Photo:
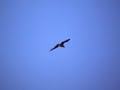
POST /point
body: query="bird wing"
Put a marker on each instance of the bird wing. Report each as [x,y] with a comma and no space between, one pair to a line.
[55,47]
[65,41]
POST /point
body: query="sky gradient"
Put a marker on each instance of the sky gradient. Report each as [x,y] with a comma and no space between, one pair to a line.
[30,28]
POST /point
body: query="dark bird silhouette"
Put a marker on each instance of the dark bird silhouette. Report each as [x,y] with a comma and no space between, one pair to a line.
[60,44]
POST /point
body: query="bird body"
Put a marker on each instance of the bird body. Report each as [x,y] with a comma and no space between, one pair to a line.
[60,44]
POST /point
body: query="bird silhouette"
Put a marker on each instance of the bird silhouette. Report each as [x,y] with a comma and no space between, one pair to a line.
[60,45]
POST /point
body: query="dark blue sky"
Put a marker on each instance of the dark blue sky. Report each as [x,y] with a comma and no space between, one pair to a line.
[30,28]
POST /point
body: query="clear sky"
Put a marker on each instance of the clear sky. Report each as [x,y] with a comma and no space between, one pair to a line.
[30,28]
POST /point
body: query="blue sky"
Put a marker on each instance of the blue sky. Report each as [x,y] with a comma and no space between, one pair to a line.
[30,28]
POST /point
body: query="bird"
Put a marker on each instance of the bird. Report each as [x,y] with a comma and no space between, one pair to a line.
[60,45]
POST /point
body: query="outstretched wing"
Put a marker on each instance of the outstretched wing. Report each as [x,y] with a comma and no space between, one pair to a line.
[65,41]
[55,47]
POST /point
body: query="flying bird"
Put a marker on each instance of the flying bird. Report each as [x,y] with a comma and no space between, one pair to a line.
[60,44]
